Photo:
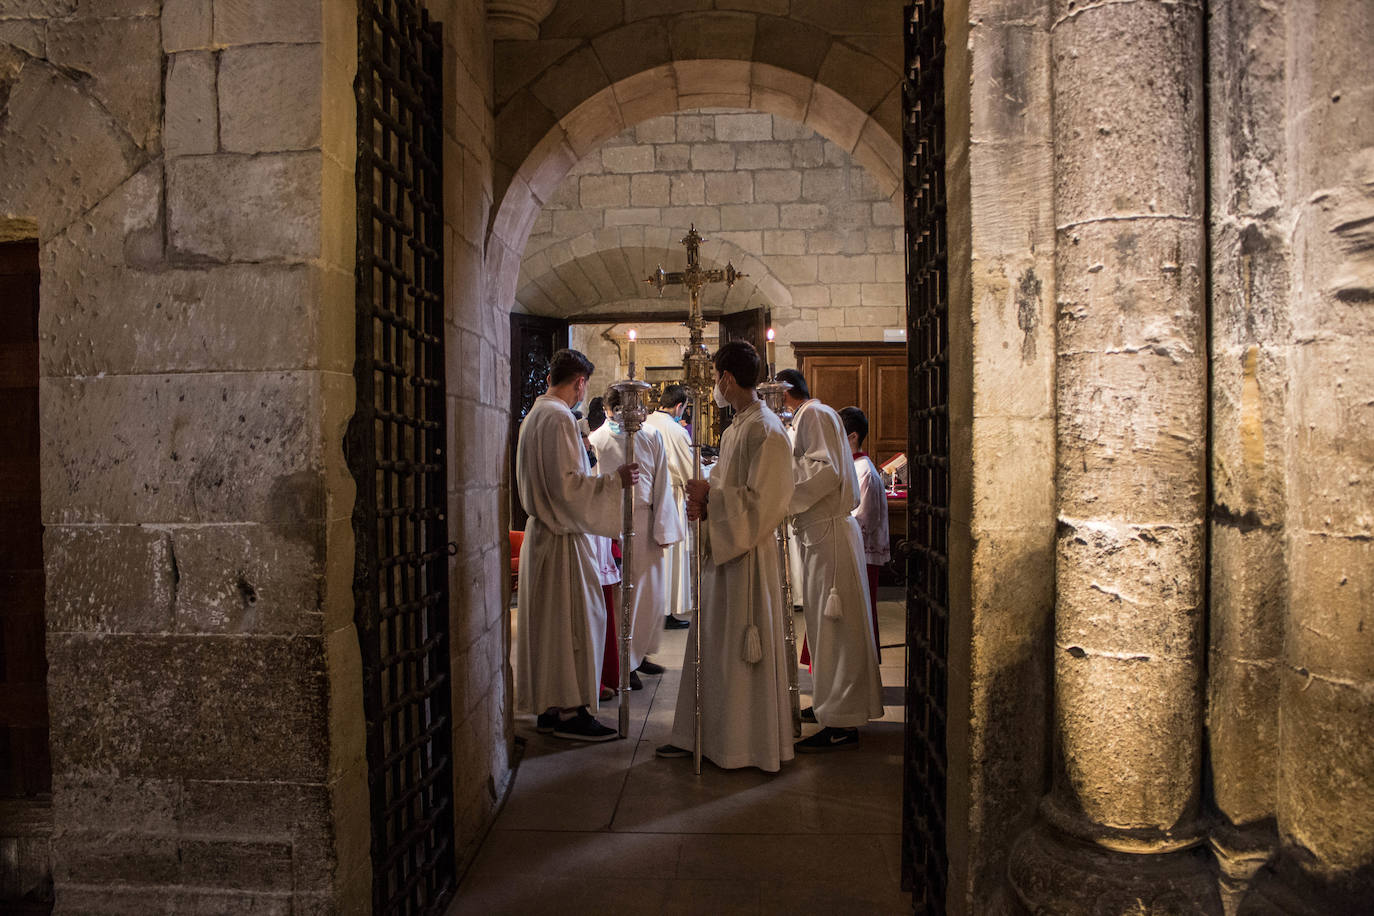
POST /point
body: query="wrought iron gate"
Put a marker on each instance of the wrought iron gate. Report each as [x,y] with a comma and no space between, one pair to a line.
[396,451]
[925,860]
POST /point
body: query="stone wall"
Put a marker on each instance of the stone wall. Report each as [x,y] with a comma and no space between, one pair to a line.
[195,358]
[478,344]
[1002,358]
[818,233]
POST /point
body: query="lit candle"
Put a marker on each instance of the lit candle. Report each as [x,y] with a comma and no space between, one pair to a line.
[632,353]
[772,354]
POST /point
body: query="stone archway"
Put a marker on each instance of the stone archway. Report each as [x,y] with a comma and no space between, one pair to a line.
[601,269]
[663,89]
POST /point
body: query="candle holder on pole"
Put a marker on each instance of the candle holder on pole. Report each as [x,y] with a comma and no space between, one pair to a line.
[774,394]
[631,412]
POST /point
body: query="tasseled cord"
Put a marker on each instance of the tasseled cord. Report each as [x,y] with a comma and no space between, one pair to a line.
[753,646]
[832,601]
[832,604]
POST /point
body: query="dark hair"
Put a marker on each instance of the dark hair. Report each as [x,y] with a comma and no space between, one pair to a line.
[596,414]
[567,365]
[798,383]
[855,422]
[740,359]
[673,395]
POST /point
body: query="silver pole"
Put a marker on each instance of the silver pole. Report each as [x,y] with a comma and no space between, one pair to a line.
[774,395]
[632,414]
[698,435]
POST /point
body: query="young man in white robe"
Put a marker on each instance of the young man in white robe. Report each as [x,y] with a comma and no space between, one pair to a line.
[871,513]
[657,527]
[677,444]
[746,713]
[847,687]
[561,612]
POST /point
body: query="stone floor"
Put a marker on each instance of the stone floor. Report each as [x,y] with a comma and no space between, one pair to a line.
[611,828]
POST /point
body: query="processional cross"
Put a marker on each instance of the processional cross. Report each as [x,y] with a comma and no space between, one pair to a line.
[696,364]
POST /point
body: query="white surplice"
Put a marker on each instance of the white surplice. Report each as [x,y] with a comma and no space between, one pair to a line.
[657,526]
[871,512]
[839,629]
[746,714]
[677,445]
[561,615]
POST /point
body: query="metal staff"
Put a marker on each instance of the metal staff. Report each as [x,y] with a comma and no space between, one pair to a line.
[774,395]
[698,549]
[631,411]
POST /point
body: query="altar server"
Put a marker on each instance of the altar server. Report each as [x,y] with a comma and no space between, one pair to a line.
[561,613]
[847,689]
[746,714]
[871,512]
[677,445]
[657,526]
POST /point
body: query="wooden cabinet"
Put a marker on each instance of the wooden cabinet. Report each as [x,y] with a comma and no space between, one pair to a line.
[868,375]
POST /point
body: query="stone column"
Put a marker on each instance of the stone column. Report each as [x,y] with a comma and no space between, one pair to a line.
[1131,443]
[1326,719]
[1251,263]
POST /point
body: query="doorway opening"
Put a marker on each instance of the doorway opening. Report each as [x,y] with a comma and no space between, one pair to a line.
[25,764]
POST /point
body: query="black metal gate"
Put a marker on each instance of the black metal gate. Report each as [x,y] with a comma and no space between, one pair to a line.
[396,451]
[925,859]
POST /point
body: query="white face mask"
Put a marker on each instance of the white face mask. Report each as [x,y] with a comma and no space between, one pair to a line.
[719,396]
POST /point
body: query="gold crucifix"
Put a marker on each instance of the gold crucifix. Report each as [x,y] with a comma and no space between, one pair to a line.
[696,363]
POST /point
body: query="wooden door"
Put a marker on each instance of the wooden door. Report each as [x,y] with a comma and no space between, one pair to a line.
[839,380]
[25,770]
[533,341]
[887,400]
[871,376]
[750,325]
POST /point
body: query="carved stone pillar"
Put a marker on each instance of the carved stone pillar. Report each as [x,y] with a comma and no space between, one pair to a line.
[1251,266]
[1120,831]
[1326,710]
[517,19]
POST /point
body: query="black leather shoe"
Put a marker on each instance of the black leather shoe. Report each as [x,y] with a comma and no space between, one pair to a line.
[635,682]
[648,667]
[672,623]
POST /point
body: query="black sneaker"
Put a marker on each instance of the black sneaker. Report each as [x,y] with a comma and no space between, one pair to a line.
[635,682]
[544,723]
[669,751]
[828,739]
[583,727]
[808,714]
[674,623]
[648,667]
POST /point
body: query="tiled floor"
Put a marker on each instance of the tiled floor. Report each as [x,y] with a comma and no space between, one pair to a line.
[610,828]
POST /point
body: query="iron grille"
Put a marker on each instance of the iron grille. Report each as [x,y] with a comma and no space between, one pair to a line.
[925,860]
[396,452]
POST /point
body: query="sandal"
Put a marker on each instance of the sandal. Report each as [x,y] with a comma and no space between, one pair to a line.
[607,693]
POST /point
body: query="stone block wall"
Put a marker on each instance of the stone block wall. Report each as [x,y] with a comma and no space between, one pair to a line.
[196,236]
[818,233]
[478,345]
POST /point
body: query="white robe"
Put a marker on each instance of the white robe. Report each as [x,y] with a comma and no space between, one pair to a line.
[746,714]
[561,613]
[657,525]
[872,512]
[677,445]
[844,655]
